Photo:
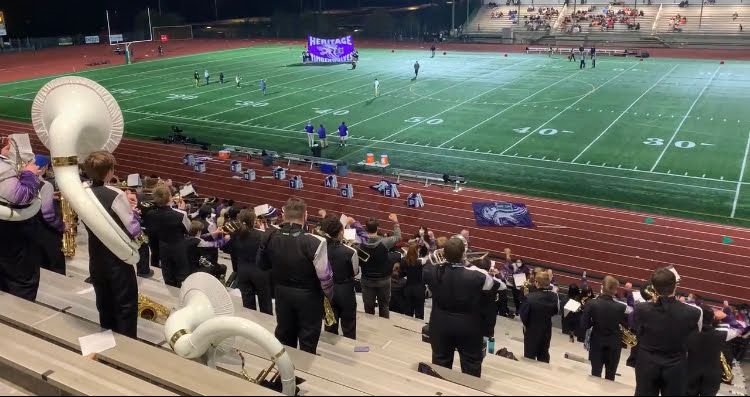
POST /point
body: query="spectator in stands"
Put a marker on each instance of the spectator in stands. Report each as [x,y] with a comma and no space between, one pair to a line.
[376,283]
[302,277]
[169,226]
[114,280]
[605,316]
[398,303]
[703,348]
[536,315]
[345,265]
[252,281]
[414,291]
[661,366]
[455,322]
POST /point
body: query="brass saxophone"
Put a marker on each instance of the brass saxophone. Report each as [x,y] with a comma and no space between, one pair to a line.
[726,370]
[330,318]
[149,310]
[70,219]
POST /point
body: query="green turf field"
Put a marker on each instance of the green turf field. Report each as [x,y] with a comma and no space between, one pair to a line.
[666,136]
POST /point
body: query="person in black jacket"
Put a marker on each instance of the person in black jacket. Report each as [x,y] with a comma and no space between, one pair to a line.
[345,265]
[302,277]
[113,279]
[456,318]
[704,355]
[605,316]
[662,328]
[536,314]
[376,272]
[169,227]
[414,291]
[252,281]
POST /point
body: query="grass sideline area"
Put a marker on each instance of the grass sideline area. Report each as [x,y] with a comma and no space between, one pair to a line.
[664,136]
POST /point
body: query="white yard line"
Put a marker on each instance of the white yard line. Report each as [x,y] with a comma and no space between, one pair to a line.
[687,114]
[568,108]
[742,176]
[460,103]
[299,135]
[428,96]
[498,114]
[624,112]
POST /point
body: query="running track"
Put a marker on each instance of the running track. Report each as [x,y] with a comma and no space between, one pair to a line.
[571,237]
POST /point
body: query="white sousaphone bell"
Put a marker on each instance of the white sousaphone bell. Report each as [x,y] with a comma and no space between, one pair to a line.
[73,117]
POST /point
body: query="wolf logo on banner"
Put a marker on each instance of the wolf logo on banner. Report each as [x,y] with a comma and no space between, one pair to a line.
[338,50]
[502,214]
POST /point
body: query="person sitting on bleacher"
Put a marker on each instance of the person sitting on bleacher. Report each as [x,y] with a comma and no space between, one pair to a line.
[114,280]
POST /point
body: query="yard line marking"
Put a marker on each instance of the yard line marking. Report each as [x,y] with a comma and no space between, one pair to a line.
[428,96]
[676,131]
[505,110]
[623,114]
[742,176]
[568,107]
[456,106]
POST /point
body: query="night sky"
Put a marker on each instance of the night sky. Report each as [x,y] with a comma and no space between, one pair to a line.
[37,18]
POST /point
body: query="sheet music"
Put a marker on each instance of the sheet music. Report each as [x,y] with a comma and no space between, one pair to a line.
[637,297]
[350,234]
[97,343]
[261,210]
[134,180]
[571,307]
[519,279]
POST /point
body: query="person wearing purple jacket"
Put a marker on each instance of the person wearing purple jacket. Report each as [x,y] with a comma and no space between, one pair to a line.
[19,269]
[510,269]
[343,134]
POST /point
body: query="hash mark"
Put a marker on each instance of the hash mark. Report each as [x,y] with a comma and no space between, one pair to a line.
[635,168]
[704,175]
[721,178]
[669,171]
[619,166]
[686,174]
[588,162]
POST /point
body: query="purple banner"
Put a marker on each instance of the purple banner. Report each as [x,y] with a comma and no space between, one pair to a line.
[502,215]
[330,50]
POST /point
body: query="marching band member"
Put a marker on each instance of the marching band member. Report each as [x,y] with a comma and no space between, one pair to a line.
[302,276]
[662,328]
[169,226]
[414,290]
[114,280]
[19,270]
[456,319]
[704,348]
[142,268]
[605,316]
[50,237]
[252,281]
[536,314]
[345,265]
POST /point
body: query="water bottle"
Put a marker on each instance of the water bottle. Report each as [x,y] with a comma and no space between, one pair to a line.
[491,346]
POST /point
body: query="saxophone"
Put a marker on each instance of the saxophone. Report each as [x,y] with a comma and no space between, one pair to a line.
[726,370]
[330,319]
[70,219]
[149,310]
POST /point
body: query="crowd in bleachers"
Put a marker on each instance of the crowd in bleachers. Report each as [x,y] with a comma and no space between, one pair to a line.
[603,21]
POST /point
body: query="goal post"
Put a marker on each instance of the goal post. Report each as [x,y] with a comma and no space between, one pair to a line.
[178,32]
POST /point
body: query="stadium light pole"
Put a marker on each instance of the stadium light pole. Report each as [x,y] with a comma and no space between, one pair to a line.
[453,15]
[216,11]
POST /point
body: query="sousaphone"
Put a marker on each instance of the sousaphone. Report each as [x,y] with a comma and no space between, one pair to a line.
[73,117]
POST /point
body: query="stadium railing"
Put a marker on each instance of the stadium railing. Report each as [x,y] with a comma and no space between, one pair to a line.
[312,160]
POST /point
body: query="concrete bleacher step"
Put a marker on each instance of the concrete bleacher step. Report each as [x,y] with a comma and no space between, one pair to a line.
[67,371]
[147,362]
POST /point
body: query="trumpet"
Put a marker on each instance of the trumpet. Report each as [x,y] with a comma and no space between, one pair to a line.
[629,339]
[330,318]
[149,310]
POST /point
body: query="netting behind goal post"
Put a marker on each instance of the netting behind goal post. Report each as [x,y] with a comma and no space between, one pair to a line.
[169,33]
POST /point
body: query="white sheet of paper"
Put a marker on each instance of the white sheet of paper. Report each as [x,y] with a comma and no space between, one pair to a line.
[572,306]
[344,219]
[134,180]
[261,210]
[187,190]
[519,279]
[85,291]
[350,234]
[637,297]
[673,270]
[97,343]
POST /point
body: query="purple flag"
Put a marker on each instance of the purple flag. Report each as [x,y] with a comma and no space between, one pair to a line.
[330,50]
[502,215]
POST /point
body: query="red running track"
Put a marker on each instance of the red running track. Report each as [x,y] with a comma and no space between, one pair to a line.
[569,236]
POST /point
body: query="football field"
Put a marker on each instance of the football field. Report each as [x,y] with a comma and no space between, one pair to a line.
[667,136]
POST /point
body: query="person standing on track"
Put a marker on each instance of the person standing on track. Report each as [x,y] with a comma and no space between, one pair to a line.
[433,49]
[377,88]
[161,51]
